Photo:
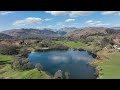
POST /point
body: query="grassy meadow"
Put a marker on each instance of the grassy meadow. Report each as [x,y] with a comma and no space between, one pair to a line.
[7,72]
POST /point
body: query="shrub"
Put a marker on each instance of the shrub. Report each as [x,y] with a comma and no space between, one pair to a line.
[21,64]
[106,41]
[38,66]
[109,46]
[8,49]
[23,52]
[58,75]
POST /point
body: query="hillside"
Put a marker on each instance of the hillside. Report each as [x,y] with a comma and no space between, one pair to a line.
[4,36]
[91,31]
[30,33]
[69,32]
[68,29]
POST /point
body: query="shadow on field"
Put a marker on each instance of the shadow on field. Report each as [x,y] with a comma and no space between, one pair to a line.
[4,62]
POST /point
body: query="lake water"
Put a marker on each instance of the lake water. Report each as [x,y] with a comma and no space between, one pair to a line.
[73,63]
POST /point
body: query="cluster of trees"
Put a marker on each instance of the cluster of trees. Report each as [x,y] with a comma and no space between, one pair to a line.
[23,52]
[21,64]
[39,67]
[86,40]
[8,49]
[106,42]
[51,45]
[24,64]
[58,46]
[43,44]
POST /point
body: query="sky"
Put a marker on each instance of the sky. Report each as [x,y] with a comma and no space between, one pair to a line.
[58,19]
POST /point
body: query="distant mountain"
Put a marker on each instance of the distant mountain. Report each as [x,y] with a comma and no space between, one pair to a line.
[89,31]
[67,29]
[116,27]
[28,33]
[69,32]
[61,33]
[4,36]
[46,32]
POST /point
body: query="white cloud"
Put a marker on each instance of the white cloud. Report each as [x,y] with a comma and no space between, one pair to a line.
[69,20]
[70,13]
[58,13]
[79,13]
[30,20]
[89,21]
[46,26]
[6,12]
[110,12]
[95,23]
[60,24]
[116,25]
[48,19]
[59,59]
[102,24]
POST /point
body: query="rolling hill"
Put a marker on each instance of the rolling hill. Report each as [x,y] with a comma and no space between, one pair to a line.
[4,36]
[91,31]
[30,33]
[69,32]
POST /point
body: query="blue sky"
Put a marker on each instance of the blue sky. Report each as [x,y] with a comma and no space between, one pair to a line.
[58,19]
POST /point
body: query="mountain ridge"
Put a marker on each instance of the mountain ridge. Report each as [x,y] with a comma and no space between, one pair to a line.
[89,31]
[67,32]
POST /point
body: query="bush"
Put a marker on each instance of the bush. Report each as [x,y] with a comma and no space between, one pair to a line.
[58,75]
[21,64]
[38,66]
[109,46]
[43,44]
[106,41]
[8,49]
[23,52]
[83,40]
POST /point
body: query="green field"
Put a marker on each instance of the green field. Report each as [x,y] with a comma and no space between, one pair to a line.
[8,73]
[111,68]
[72,44]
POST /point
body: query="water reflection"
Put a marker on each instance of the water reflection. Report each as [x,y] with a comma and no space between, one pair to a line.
[72,63]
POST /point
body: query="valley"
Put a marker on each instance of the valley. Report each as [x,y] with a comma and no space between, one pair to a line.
[16,44]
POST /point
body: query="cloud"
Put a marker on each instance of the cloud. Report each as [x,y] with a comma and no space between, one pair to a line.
[61,24]
[79,13]
[70,13]
[59,59]
[58,13]
[6,12]
[96,23]
[69,20]
[46,26]
[116,25]
[30,20]
[110,12]
[48,19]
[93,22]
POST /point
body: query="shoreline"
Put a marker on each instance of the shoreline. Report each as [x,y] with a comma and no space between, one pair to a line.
[103,56]
[94,55]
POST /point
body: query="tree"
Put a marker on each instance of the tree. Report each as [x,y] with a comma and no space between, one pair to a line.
[8,49]
[23,52]
[58,75]
[67,74]
[21,64]
[38,66]
[106,41]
